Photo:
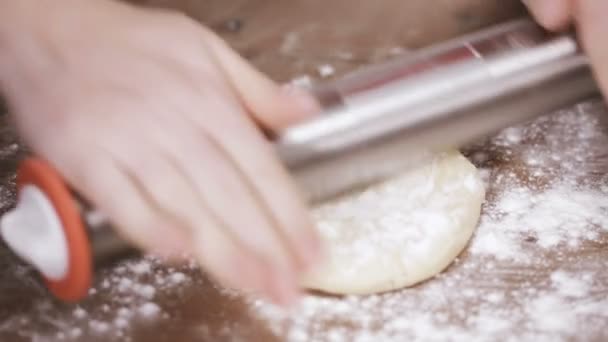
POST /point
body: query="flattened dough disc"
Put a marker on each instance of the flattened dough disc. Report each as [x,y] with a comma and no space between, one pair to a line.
[400,232]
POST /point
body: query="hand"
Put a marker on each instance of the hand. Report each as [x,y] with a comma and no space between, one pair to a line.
[154,119]
[590,18]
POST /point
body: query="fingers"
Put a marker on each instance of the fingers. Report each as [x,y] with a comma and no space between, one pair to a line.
[148,200]
[225,261]
[592,25]
[591,21]
[172,197]
[104,182]
[249,160]
[180,167]
[167,194]
[272,106]
[233,201]
[552,14]
[226,195]
[255,159]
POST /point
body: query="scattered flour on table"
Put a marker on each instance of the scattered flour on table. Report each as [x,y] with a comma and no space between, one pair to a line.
[561,216]
[554,201]
[564,308]
[326,70]
[562,201]
[303,81]
[129,293]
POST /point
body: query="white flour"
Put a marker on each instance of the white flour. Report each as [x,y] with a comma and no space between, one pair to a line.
[132,288]
[554,204]
[326,70]
[562,217]
[532,272]
[303,81]
[560,203]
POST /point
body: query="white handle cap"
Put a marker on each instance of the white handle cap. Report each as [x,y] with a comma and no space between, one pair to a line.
[35,233]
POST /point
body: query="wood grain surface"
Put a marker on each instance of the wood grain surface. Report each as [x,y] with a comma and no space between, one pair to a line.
[287,39]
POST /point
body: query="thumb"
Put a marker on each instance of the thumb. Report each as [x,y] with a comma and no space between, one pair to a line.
[552,14]
[592,26]
[272,106]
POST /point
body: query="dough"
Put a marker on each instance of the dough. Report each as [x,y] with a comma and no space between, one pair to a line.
[399,232]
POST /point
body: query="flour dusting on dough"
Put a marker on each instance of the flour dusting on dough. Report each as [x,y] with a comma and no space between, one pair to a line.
[399,232]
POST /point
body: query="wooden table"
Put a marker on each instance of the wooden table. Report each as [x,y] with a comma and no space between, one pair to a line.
[477,298]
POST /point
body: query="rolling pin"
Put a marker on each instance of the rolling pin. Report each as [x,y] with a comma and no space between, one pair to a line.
[375,123]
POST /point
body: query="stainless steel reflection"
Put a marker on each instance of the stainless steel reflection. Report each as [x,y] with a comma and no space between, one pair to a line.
[383,120]
[387,118]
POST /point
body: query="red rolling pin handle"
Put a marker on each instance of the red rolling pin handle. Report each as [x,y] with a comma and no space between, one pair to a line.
[76,283]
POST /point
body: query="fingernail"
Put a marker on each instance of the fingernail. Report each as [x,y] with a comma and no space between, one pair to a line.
[304,100]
